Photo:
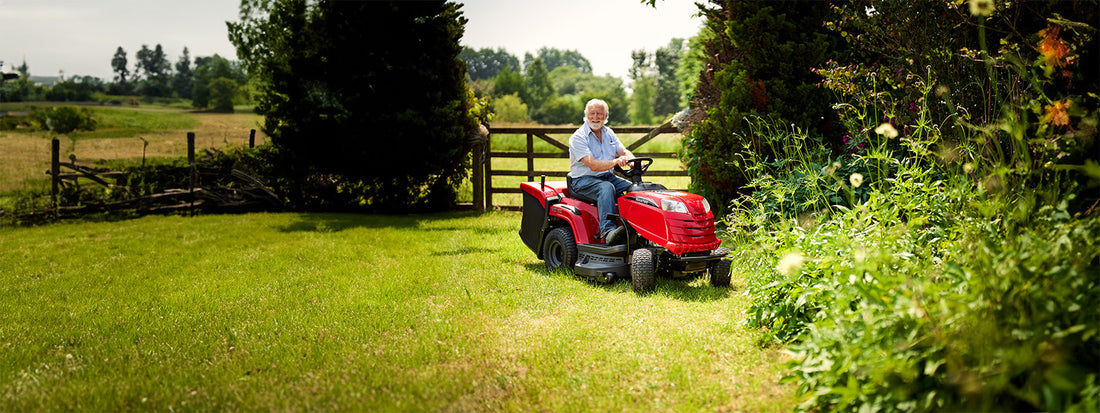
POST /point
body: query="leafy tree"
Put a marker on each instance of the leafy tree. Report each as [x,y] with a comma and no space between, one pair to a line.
[486,63]
[154,69]
[122,72]
[641,107]
[208,70]
[183,81]
[570,83]
[539,87]
[555,58]
[559,110]
[759,65]
[222,92]
[510,82]
[77,89]
[358,122]
[667,94]
[693,65]
[21,89]
[645,89]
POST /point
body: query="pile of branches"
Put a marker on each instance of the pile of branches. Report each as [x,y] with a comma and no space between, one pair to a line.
[217,183]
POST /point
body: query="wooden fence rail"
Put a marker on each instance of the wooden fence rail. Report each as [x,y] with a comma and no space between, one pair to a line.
[484,170]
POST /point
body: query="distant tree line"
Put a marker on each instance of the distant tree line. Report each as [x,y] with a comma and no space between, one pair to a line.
[210,82]
[551,86]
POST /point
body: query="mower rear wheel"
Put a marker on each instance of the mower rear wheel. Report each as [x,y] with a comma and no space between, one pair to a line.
[559,250]
[643,270]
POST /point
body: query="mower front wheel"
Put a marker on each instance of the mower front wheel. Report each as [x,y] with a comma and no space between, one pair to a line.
[718,272]
[643,270]
[559,250]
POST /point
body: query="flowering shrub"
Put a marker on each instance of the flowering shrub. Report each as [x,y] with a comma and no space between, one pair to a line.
[947,260]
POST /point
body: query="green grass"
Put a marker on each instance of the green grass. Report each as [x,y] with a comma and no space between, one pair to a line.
[128,122]
[445,312]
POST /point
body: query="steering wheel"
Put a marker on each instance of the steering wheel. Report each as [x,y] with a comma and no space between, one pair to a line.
[638,167]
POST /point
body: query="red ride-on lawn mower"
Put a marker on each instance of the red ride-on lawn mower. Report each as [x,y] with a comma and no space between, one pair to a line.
[668,233]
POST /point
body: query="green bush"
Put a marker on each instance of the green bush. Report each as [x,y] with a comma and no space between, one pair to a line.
[938,265]
[559,110]
[63,119]
[758,61]
[11,122]
[509,108]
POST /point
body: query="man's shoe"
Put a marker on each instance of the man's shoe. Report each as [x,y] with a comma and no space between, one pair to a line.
[613,235]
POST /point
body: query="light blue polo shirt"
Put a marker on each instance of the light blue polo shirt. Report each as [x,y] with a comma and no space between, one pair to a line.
[584,143]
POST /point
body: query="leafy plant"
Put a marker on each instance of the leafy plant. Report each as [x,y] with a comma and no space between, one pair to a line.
[63,119]
[954,264]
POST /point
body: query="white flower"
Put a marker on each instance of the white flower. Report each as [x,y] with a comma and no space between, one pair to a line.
[887,130]
[859,254]
[790,264]
[856,180]
[982,7]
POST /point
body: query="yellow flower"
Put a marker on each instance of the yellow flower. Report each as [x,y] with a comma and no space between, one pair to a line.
[856,180]
[1056,114]
[887,130]
[790,264]
[1053,49]
[982,7]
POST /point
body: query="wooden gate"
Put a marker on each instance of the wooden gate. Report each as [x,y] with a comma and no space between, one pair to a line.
[483,181]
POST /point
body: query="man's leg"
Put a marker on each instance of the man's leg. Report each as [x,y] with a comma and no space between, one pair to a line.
[620,185]
[604,194]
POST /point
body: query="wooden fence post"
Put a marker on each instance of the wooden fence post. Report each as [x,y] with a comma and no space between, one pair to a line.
[191,163]
[479,174]
[530,157]
[489,172]
[252,139]
[55,171]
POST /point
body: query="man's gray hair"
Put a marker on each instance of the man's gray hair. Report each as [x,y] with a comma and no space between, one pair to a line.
[594,102]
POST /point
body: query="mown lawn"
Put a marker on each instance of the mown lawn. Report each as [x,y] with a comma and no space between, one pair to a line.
[446,312]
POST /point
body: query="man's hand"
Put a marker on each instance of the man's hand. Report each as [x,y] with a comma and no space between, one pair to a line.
[622,161]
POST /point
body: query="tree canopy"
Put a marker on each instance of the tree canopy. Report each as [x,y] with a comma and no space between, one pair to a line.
[362,122]
[485,63]
[555,58]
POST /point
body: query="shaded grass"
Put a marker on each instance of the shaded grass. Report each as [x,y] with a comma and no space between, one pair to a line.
[444,312]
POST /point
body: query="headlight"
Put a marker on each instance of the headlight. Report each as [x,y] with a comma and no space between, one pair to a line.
[673,206]
[706,206]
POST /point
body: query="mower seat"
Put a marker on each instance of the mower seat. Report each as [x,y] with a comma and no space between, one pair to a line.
[569,189]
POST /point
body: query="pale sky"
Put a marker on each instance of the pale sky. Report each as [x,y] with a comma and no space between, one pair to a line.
[80,37]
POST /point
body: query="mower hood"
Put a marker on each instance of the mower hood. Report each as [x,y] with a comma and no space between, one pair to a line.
[680,221]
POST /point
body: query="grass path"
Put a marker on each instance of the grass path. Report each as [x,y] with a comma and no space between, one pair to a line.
[446,312]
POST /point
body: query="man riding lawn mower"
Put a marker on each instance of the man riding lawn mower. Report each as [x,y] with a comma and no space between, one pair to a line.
[667,233]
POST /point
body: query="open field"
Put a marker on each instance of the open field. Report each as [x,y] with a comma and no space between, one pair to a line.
[25,155]
[445,312]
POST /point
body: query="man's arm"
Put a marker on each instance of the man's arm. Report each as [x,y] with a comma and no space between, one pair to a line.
[600,166]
